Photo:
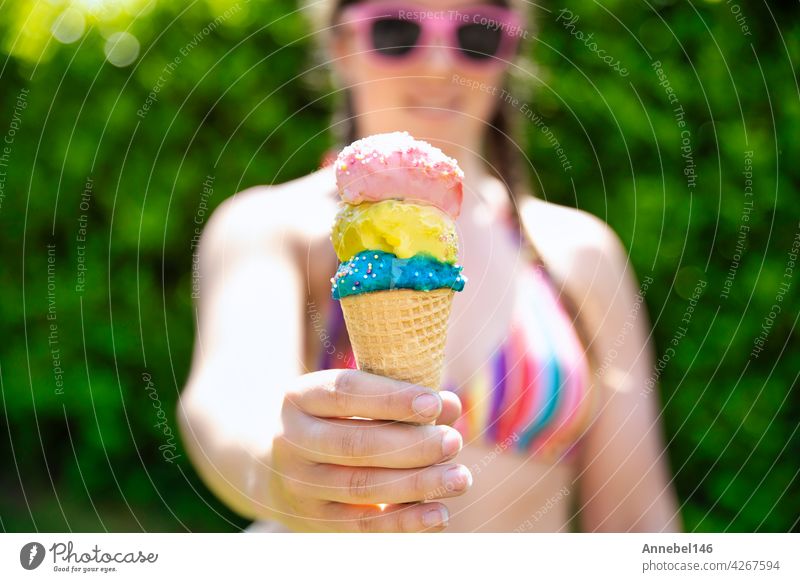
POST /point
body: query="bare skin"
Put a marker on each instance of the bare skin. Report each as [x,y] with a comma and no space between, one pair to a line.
[267,433]
[244,413]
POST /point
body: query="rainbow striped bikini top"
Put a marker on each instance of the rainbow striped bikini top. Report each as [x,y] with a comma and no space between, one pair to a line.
[533,394]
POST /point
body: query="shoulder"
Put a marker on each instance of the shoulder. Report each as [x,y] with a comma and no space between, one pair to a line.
[297,211]
[583,252]
[624,475]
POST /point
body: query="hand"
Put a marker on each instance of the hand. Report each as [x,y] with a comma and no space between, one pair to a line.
[329,472]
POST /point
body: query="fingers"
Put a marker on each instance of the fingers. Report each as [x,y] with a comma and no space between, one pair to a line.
[366,485]
[451,408]
[417,517]
[344,393]
[369,443]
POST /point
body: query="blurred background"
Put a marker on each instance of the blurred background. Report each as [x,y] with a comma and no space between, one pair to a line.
[125,123]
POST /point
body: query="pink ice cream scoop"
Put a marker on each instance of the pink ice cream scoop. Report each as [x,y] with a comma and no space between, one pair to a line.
[397,166]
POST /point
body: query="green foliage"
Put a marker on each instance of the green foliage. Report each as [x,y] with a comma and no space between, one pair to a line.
[242,105]
[731,417]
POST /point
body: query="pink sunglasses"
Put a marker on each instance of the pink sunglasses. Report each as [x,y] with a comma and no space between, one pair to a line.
[478,36]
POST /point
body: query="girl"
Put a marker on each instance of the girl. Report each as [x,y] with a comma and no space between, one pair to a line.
[548,411]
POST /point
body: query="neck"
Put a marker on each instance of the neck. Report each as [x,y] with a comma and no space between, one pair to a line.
[475,173]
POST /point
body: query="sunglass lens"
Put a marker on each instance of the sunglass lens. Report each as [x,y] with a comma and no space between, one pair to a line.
[479,42]
[394,37]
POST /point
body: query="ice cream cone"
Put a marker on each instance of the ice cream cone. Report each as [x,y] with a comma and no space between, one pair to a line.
[400,333]
[396,240]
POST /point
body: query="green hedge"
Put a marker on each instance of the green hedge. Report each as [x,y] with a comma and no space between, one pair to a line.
[107,165]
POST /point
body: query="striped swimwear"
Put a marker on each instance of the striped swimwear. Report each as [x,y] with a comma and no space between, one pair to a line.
[533,394]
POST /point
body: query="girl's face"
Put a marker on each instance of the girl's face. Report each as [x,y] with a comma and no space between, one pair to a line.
[434,94]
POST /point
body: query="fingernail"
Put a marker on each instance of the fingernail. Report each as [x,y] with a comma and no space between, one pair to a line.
[434,517]
[457,478]
[451,442]
[426,404]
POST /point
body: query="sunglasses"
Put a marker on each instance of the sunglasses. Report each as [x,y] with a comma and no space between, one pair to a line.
[477,36]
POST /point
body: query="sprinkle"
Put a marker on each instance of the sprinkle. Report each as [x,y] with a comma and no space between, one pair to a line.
[373,275]
[365,276]
[430,274]
[416,273]
[376,256]
[356,270]
[356,283]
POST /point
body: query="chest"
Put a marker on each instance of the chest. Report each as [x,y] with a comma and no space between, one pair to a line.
[512,354]
[483,312]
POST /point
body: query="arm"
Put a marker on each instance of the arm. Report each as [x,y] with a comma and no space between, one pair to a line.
[229,410]
[625,482]
[274,442]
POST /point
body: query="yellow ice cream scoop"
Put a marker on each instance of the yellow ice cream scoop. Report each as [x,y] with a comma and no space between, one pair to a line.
[394,226]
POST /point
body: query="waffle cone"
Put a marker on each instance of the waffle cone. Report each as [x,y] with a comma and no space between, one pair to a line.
[400,333]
